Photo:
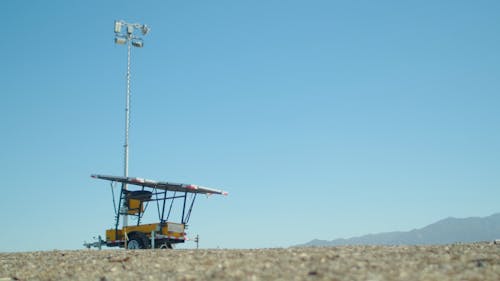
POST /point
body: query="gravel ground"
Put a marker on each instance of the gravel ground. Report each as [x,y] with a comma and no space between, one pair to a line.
[451,262]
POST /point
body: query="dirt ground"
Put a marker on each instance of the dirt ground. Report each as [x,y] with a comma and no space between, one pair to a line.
[479,262]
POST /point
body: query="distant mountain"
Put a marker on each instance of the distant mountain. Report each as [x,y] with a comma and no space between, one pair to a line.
[449,230]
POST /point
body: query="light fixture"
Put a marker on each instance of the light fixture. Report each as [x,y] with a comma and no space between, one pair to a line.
[118,26]
[130,29]
[137,43]
[120,40]
[144,29]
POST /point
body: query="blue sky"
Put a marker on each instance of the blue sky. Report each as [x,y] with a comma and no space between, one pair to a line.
[323,119]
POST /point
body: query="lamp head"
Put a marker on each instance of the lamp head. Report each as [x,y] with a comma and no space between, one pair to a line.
[120,40]
[137,43]
[145,29]
[118,26]
[130,29]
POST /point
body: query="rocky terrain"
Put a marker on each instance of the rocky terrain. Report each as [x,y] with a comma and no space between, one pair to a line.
[479,261]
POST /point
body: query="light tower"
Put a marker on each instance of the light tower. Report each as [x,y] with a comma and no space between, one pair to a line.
[124,34]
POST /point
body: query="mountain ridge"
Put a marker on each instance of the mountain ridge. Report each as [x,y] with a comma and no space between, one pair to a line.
[446,231]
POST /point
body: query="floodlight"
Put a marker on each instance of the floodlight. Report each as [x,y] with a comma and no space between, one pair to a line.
[137,43]
[130,29]
[120,40]
[118,26]
[144,29]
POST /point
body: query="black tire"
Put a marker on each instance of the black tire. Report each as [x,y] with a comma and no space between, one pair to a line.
[137,240]
[166,246]
[134,244]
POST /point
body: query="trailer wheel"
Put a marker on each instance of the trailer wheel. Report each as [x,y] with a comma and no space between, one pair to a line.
[166,246]
[137,240]
[133,244]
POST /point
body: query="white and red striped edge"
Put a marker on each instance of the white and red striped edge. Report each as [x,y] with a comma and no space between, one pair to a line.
[196,187]
[141,180]
[163,236]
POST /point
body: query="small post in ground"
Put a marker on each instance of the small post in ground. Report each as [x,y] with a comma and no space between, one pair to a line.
[197,240]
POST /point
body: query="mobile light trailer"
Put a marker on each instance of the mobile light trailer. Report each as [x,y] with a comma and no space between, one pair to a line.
[134,202]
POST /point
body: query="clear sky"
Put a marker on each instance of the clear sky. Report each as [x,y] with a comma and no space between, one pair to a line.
[323,119]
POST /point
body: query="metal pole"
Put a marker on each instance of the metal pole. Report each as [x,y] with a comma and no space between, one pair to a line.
[184,207]
[127,110]
[127,125]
